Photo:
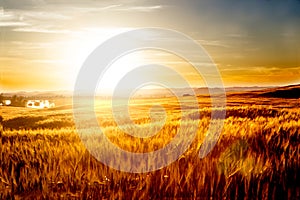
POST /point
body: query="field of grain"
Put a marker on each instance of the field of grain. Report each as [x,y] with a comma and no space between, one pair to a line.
[256,157]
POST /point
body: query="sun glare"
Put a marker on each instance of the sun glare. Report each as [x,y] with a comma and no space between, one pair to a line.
[81,45]
[119,69]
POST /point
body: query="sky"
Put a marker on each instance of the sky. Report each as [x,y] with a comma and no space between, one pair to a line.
[43,43]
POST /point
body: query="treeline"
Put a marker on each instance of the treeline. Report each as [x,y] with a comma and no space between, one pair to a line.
[15,100]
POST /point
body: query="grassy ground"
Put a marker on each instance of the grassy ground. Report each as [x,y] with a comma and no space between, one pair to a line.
[256,157]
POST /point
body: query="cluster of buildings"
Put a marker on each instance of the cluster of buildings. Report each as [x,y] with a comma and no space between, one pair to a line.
[39,104]
[32,103]
[5,103]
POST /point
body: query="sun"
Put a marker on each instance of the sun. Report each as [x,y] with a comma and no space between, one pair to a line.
[79,45]
[85,42]
[118,69]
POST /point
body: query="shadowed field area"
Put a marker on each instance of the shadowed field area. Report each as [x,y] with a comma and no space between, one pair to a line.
[256,157]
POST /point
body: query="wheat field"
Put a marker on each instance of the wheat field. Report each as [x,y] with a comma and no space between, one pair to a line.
[256,157]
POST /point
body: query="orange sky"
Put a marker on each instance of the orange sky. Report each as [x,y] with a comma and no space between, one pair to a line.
[44,43]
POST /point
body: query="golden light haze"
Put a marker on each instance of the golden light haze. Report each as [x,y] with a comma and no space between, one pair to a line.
[44,43]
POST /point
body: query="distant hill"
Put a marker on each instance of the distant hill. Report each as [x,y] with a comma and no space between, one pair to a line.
[144,92]
[38,94]
[288,92]
[198,91]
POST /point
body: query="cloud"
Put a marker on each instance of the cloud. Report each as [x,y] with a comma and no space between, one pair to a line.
[140,8]
[47,61]
[217,43]
[9,19]
[33,45]
[20,4]
[12,24]
[114,7]
[44,15]
[111,7]
[41,30]
[41,21]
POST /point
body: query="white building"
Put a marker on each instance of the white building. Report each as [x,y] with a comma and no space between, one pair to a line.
[39,104]
[7,102]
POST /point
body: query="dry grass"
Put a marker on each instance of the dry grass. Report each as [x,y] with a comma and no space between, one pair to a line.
[257,157]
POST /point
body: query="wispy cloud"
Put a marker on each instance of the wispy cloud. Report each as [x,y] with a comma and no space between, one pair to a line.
[237,35]
[33,45]
[43,15]
[116,7]
[33,21]
[47,61]
[261,70]
[17,4]
[12,24]
[9,19]
[217,43]
[140,8]
[111,7]
[42,30]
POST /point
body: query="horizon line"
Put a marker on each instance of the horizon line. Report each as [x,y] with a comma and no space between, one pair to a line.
[145,89]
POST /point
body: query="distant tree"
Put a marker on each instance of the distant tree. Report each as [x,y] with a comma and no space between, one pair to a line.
[1,128]
[14,100]
[18,101]
[1,98]
[21,101]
